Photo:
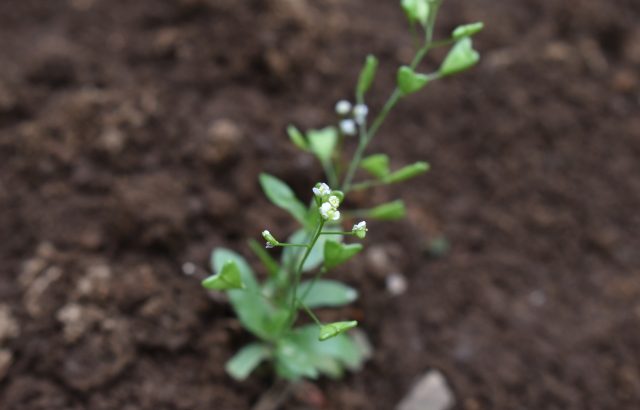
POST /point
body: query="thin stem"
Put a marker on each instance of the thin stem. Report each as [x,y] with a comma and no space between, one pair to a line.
[379,120]
[310,313]
[298,272]
[336,233]
[286,245]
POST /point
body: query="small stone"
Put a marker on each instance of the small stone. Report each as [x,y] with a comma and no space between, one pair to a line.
[9,327]
[96,283]
[6,358]
[378,260]
[431,392]
[396,284]
[224,139]
[188,268]
[77,320]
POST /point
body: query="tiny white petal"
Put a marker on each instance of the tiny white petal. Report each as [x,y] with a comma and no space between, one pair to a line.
[334,201]
[348,127]
[343,107]
[336,215]
[360,112]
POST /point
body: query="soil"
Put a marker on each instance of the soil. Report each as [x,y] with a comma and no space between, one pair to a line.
[131,137]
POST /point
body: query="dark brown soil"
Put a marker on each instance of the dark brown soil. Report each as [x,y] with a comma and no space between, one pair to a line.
[131,136]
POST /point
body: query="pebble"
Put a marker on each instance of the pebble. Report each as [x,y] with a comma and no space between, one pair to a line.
[6,358]
[9,328]
[431,392]
[396,284]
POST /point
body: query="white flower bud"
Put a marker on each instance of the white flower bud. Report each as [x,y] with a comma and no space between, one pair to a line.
[329,212]
[348,127]
[271,241]
[321,189]
[360,112]
[334,201]
[343,107]
[360,229]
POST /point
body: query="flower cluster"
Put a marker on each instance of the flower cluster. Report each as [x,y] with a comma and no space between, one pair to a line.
[359,112]
[329,202]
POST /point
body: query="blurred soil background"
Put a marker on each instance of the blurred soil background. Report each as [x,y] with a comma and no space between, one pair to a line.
[131,137]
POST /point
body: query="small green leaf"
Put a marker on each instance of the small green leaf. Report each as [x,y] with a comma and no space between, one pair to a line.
[253,311]
[323,142]
[246,360]
[377,165]
[293,360]
[297,138]
[367,76]
[467,30]
[282,196]
[416,10]
[334,329]
[327,293]
[225,279]
[336,253]
[409,81]
[407,172]
[389,211]
[461,57]
[292,255]
[267,260]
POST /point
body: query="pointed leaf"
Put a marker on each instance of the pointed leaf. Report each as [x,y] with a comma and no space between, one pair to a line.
[334,329]
[282,196]
[461,57]
[377,165]
[336,253]
[367,76]
[467,30]
[389,211]
[227,278]
[326,293]
[297,138]
[246,360]
[265,257]
[409,81]
[416,10]
[407,172]
[323,142]
[252,310]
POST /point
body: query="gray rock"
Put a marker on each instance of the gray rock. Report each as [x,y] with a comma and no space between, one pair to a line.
[431,392]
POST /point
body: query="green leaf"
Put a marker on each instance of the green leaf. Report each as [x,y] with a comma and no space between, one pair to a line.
[377,165]
[336,253]
[291,255]
[367,76]
[323,142]
[253,311]
[246,360]
[416,10]
[407,172]
[265,257]
[227,278]
[293,359]
[334,329]
[309,356]
[389,211]
[297,138]
[282,196]
[409,81]
[327,293]
[461,57]
[467,30]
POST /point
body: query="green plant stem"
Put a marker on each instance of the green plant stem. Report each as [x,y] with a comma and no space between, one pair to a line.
[291,245]
[310,313]
[388,106]
[298,272]
[336,233]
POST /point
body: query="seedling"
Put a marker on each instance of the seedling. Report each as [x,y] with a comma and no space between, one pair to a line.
[270,310]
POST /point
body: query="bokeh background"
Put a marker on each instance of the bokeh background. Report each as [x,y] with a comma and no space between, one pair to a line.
[131,137]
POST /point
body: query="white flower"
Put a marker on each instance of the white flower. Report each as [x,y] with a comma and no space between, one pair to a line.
[360,229]
[343,107]
[334,201]
[271,241]
[360,112]
[329,212]
[321,189]
[348,127]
